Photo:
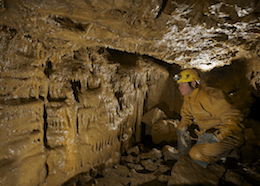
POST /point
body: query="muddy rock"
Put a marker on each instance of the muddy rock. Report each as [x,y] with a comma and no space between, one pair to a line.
[149,165]
[216,169]
[114,176]
[137,167]
[232,177]
[170,153]
[152,117]
[163,178]
[134,150]
[163,168]
[185,171]
[76,78]
[153,154]
[163,130]
[129,158]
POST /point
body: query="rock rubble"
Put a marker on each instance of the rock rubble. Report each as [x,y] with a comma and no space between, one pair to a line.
[154,169]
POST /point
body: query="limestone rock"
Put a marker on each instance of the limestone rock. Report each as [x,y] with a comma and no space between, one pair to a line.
[187,172]
[137,167]
[134,150]
[137,159]
[130,158]
[232,177]
[121,170]
[163,168]
[122,176]
[149,165]
[170,153]
[91,101]
[154,154]
[163,178]
[152,117]
[163,131]
[138,178]
[21,129]
[216,169]
[28,171]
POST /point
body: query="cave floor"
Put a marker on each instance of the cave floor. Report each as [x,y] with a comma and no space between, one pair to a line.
[230,171]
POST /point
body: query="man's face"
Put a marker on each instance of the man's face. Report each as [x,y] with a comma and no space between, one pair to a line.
[184,88]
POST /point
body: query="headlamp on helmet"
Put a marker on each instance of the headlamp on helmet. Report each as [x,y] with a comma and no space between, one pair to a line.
[187,75]
[176,77]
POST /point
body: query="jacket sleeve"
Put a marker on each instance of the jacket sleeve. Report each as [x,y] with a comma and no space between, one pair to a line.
[186,115]
[229,116]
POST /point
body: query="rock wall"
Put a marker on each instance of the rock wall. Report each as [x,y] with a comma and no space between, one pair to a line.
[67,110]
[68,104]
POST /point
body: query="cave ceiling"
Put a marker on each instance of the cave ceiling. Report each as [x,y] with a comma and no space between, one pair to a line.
[77,76]
[201,34]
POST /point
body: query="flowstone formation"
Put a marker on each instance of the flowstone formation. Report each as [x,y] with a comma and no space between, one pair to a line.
[70,110]
[77,76]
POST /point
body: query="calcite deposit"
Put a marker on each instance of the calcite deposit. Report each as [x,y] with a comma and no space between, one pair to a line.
[76,78]
[87,113]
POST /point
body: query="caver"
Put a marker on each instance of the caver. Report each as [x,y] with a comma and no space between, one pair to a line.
[220,129]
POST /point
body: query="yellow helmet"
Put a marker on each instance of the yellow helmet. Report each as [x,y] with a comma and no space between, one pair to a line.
[187,75]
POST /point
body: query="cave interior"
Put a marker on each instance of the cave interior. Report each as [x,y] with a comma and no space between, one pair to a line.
[84,82]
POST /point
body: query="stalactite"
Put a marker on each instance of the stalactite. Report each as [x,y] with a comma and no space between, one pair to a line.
[87,125]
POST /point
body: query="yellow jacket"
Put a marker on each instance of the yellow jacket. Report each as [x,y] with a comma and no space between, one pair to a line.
[209,109]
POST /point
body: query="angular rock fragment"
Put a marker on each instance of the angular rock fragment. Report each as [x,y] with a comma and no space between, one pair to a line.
[152,117]
[137,167]
[163,178]
[138,178]
[130,158]
[134,150]
[120,175]
[137,159]
[153,154]
[121,170]
[170,153]
[234,178]
[216,169]
[164,130]
[187,172]
[149,165]
[163,168]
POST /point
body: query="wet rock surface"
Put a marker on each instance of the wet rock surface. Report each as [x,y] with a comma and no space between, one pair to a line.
[72,116]
[160,164]
[77,76]
[171,172]
[163,165]
[172,31]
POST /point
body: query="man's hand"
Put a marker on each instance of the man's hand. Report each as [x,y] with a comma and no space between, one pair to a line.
[181,128]
[183,135]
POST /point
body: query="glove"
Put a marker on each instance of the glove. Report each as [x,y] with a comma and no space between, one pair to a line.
[181,128]
[198,132]
[220,135]
[183,135]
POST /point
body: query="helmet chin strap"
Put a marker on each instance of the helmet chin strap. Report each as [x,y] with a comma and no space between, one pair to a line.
[191,88]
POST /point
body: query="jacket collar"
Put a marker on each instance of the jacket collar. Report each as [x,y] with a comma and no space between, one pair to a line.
[194,93]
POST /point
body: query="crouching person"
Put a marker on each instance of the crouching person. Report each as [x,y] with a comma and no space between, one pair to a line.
[220,130]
